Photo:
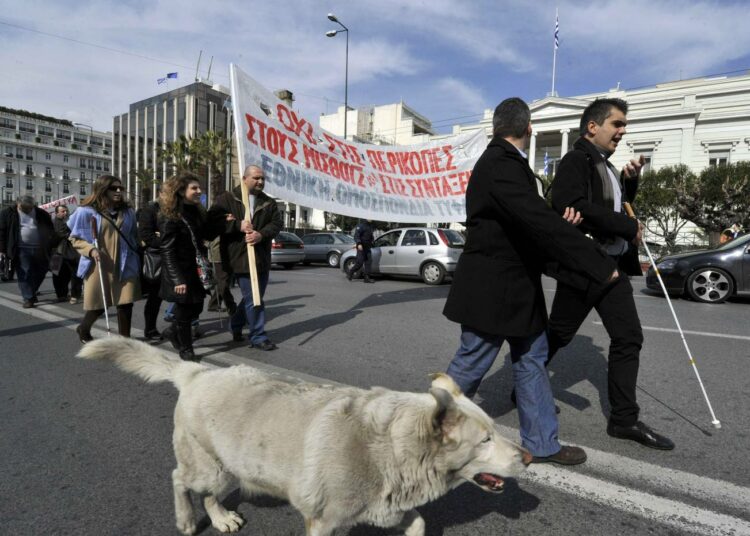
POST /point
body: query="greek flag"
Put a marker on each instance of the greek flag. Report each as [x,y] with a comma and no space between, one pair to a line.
[546,163]
[557,32]
[161,80]
[171,75]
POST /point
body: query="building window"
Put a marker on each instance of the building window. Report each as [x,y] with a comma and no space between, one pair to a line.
[29,184]
[718,157]
[106,166]
[29,154]
[48,156]
[66,188]
[47,186]
[82,189]
[29,169]
[65,158]
[9,151]
[91,164]
[48,172]
[47,198]
[9,167]
[8,183]
[19,152]
[8,196]
[98,165]
[66,175]
[648,156]
[83,175]
[83,162]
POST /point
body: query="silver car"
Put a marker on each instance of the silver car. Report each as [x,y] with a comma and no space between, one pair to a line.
[424,252]
[287,250]
[326,247]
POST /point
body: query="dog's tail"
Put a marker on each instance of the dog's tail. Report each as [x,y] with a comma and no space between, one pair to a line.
[141,359]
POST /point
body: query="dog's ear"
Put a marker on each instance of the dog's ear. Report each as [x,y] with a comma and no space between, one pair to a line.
[446,416]
[443,381]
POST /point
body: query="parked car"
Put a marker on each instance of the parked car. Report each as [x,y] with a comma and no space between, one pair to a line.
[287,250]
[708,276]
[326,247]
[428,253]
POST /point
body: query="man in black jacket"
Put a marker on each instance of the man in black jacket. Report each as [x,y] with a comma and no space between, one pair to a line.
[363,237]
[26,237]
[150,238]
[228,212]
[497,294]
[69,266]
[586,181]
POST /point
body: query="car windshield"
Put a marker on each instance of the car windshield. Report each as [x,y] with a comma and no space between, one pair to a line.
[451,237]
[740,240]
[345,238]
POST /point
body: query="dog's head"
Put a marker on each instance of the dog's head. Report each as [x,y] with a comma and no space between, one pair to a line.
[471,444]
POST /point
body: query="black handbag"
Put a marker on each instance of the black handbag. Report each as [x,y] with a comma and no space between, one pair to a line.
[151,264]
[205,270]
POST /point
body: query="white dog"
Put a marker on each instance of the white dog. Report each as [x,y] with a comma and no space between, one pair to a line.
[340,455]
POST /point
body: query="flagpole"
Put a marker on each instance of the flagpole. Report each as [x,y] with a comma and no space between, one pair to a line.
[554,54]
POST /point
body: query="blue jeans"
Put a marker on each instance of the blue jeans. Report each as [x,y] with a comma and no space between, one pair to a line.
[536,407]
[247,313]
[31,271]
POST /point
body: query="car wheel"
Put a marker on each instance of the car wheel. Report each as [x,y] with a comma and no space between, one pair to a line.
[433,273]
[710,285]
[333,259]
[288,265]
[349,264]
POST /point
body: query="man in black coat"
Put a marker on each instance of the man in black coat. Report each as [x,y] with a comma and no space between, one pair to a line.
[228,211]
[586,181]
[363,237]
[26,238]
[497,294]
[150,238]
[69,266]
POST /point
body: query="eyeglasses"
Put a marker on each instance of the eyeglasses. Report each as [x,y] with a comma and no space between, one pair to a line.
[116,189]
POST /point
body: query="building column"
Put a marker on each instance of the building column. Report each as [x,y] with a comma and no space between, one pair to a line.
[564,144]
[532,151]
[154,154]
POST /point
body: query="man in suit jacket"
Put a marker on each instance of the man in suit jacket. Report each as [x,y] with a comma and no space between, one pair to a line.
[586,181]
[497,294]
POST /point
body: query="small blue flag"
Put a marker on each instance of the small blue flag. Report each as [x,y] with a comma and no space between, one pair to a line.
[171,75]
[161,80]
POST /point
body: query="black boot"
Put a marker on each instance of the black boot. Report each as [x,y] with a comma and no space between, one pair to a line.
[368,279]
[185,339]
[124,316]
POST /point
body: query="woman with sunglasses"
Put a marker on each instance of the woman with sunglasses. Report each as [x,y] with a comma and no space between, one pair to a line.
[106,216]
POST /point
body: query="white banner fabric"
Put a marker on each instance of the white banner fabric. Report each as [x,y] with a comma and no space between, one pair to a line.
[306,165]
[70,200]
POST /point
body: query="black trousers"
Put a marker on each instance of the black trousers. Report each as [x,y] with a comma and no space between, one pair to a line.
[616,307]
[153,302]
[364,257]
[67,275]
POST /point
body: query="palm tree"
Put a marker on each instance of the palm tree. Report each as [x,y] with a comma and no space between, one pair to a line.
[144,179]
[213,155]
[182,154]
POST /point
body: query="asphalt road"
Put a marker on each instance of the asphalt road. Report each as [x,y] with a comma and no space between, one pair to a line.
[86,449]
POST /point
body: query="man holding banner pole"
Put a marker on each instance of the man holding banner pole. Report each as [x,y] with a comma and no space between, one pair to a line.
[250,220]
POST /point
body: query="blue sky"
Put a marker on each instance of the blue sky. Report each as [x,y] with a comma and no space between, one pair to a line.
[447,59]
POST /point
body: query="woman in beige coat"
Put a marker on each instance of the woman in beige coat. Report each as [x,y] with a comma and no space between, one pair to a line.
[106,216]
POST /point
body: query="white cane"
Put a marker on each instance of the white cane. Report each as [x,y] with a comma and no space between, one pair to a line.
[715,421]
[101,275]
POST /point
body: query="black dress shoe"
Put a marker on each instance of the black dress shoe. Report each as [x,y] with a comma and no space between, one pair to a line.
[642,434]
[83,337]
[566,456]
[266,346]
[237,336]
[513,401]
[152,335]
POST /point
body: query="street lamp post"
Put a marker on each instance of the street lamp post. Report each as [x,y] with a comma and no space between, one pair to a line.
[332,33]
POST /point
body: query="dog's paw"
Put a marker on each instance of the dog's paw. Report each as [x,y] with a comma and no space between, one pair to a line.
[228,522]
[187,527]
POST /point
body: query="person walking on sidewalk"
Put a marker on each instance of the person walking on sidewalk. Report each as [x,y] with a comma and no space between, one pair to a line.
[363,236]
[150,237]
[70,258]
[184,229]
[26,237]
[113,221]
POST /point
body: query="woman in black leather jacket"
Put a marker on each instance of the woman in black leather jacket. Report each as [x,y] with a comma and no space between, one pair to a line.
[181,213]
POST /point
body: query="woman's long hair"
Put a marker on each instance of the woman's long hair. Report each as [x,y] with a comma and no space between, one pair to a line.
[98,197]
[172,196]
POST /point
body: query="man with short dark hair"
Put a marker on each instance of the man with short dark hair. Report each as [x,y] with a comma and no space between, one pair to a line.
[496,295]
[363,238]
[66,275]
[26,236]
[586,181]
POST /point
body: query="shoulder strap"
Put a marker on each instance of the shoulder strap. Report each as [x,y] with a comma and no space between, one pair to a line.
[192,236]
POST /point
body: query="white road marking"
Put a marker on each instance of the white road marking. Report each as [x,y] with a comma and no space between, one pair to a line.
[607,479]
[686,332]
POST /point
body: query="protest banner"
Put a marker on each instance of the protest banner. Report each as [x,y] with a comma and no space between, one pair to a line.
[306,165]
[71,201]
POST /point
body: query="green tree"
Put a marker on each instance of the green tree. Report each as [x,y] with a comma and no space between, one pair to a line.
[182,154]
[657,201]
[719,197]
[144,182]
